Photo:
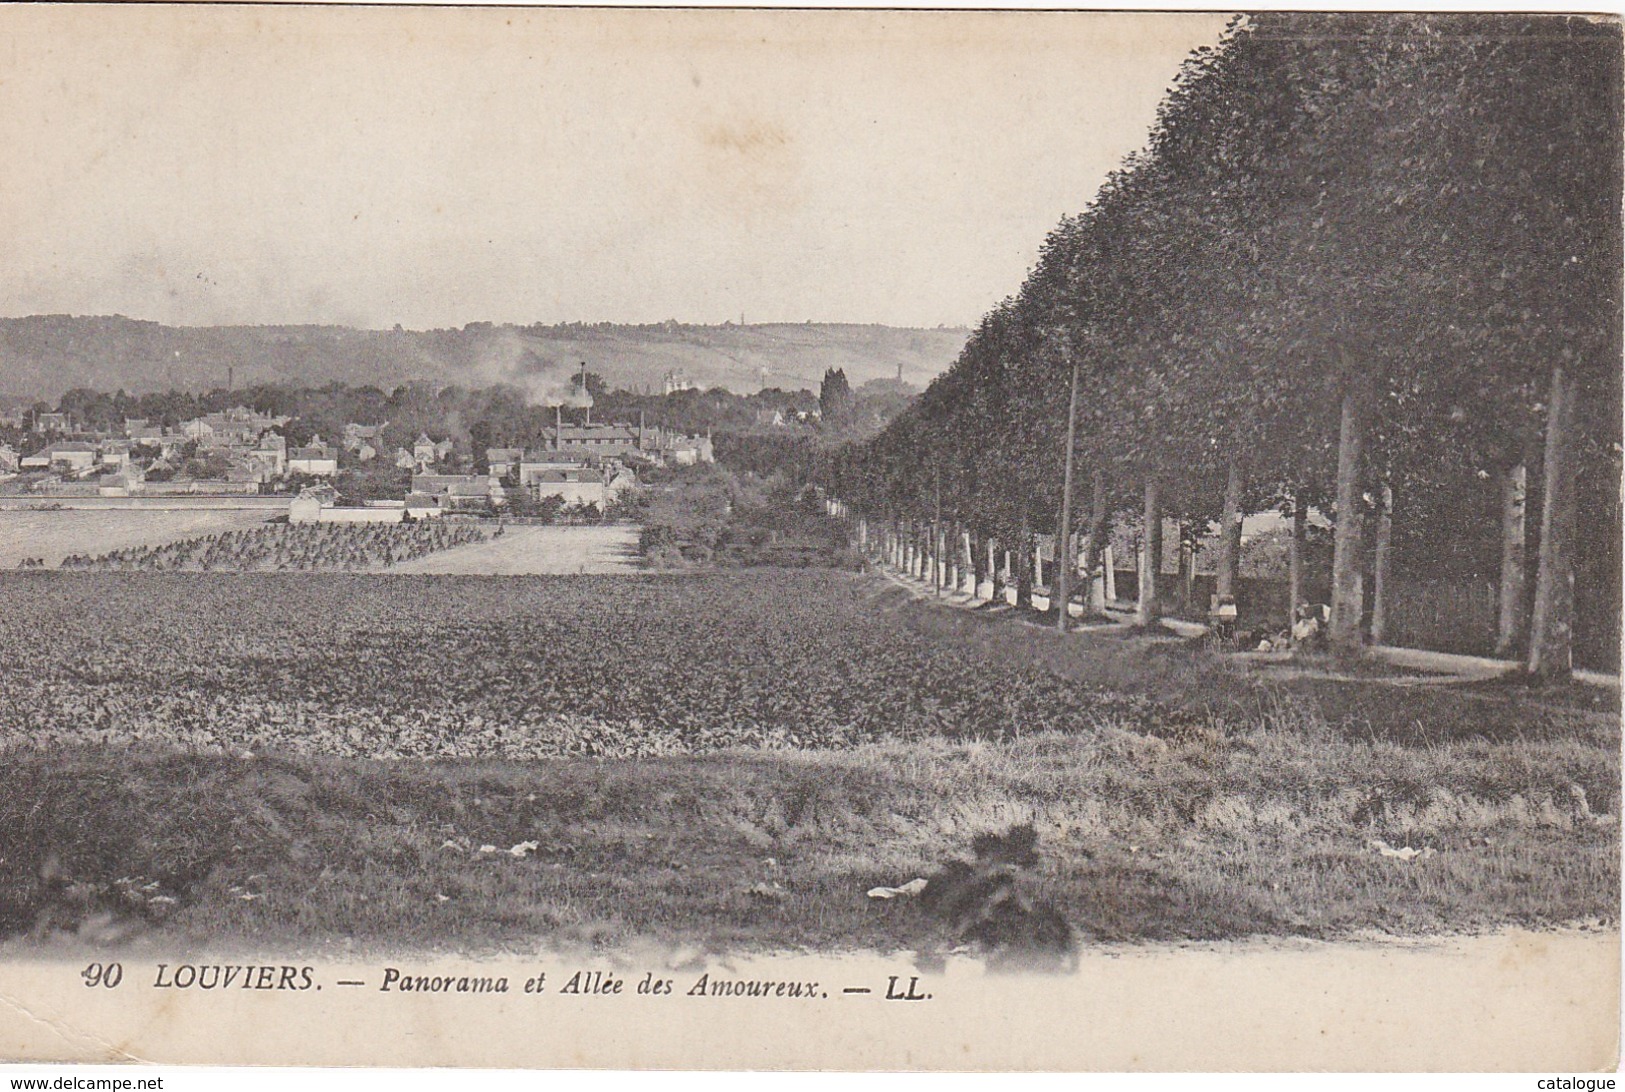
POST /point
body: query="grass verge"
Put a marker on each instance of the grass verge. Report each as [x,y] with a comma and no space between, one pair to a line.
[1268,831]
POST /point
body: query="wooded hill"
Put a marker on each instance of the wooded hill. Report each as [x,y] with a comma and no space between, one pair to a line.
[1367,263]
[42,356]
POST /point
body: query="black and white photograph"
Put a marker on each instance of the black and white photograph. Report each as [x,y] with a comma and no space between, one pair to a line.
[823,539]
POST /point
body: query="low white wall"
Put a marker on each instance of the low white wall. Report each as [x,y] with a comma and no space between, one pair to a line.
[362,515]
[574,492]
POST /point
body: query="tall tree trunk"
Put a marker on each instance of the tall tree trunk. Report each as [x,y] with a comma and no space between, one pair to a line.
[1060,598]
[939,562]
[1382,554]
[1551,626]
[955,553]
[1294,559]
[1512,619]
[1024,566]
[1186,567]
[1151,558]
[1230,532]
[1096,551]
[1066,558]
[936,531]
[972,563]
[1348,590]
[1534,506]
[1066,569]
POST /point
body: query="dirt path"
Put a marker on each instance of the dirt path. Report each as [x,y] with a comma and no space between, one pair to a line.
[524,551]
[1430,668]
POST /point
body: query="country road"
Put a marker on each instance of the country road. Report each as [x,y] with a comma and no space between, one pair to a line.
[525,551]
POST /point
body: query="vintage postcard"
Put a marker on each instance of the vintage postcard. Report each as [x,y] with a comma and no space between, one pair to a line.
[746,539]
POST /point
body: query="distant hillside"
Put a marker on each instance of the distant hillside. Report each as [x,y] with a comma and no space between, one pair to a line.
[42,356]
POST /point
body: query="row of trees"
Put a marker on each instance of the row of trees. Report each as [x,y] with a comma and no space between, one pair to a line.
[1368,265]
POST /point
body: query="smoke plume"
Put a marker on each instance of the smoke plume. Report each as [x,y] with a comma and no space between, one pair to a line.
[508,357]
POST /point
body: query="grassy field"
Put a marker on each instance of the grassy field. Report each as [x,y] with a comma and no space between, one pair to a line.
[53,535]
[219,758]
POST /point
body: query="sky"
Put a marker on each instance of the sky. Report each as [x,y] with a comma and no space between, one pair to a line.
[434,167]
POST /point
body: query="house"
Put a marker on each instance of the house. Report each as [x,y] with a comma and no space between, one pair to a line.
[9,459]
[13,417]
[319,504]
[127,481]
[115,453]
[691,455]
[437,484]
[480,493]
[581,485]
[358,436]
[680,450]
[74,456]
[269,459]
[502,460]
[422,506]
[424,454]
[52,422]
[677,381]
[241,468]
[307,506]
[317,458]
[625,442]
[237,427]
[201,429]
[616,441]
[465,491]
[532,465]
[404,460]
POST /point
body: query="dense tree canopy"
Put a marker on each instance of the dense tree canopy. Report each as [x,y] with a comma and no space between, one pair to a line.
[1411,219]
